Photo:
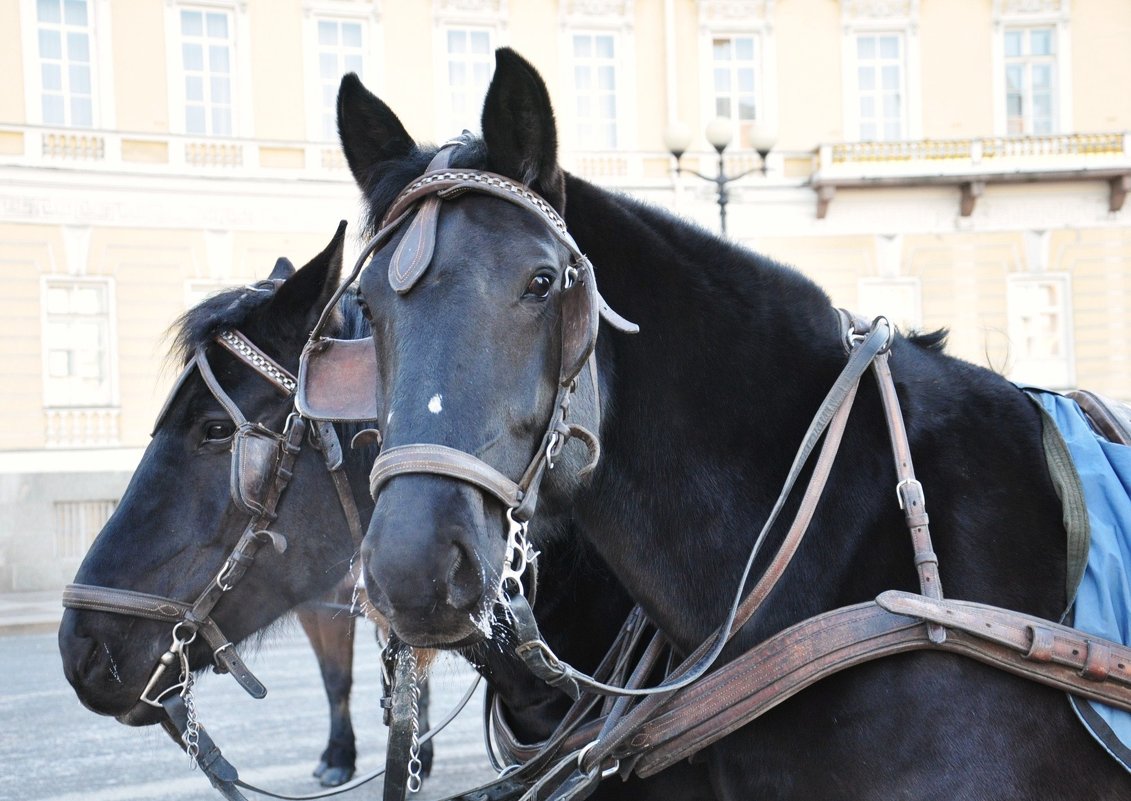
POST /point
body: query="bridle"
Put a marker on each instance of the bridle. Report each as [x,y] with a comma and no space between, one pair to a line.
[262,465]
[418,206]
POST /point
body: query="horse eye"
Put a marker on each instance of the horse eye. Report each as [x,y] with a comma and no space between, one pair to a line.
[219,431]
[540,286]
[364,310]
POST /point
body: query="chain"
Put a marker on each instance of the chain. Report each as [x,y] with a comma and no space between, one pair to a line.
[414,765]
[518,554]
[192,730]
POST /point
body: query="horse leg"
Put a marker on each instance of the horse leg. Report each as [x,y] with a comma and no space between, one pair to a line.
[331,635]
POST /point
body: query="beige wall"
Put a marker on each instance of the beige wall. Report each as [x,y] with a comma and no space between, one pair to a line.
[141,88]
[957,41]
[1101,64]
[809,71]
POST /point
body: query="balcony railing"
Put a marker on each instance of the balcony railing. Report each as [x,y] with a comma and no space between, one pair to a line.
[82,426]
[118,151]
[972,163]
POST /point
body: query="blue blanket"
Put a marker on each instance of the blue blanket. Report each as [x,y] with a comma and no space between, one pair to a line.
[1103,598]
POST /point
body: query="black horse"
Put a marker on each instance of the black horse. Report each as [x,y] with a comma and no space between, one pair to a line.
[700,414]
[176,522]
[176,525]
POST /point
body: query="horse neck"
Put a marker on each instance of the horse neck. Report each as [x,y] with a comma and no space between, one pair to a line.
[704,407]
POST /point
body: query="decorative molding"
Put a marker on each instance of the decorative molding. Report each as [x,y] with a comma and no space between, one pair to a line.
[1017,8]
[598,8]
[731,14]
[76,248]
[493,12]
[857,11]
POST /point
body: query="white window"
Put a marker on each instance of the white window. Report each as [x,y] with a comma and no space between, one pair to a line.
[595,90]
[880,86]
[63,31]
[470,62]
[1038,308]
[207,50]
[341,49]
[1030,80]
[737,83]
[77,343]
[77,523]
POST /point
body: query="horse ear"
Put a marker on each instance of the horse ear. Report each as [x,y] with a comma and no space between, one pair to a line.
[305,294]
[282,270]
[519,129]
[369,130]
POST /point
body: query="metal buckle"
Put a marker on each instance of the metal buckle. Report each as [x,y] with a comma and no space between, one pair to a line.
[604,774]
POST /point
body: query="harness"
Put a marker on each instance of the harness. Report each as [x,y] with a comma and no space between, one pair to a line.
[689,710]
[261,468]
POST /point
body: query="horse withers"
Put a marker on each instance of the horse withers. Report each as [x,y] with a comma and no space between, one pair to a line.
[179,520]
[481,331]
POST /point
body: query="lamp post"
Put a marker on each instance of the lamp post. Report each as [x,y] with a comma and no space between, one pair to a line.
[677,138]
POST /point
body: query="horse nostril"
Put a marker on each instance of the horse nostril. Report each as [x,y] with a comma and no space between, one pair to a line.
[465,585]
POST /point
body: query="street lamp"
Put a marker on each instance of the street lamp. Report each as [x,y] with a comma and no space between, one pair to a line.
[719,132]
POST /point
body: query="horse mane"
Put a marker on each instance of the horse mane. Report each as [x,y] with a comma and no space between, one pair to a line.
[386,180]
[227,309]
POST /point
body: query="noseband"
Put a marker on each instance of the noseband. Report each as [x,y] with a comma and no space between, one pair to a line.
[582,307]
[262,465]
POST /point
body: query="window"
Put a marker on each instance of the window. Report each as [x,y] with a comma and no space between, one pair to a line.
[735,82]
[77,343]
[206,62]
[471,60]
[76,525]
[880,86]
[341,49]
[1038,330]
[63,31]
[595,90]
[1030,80]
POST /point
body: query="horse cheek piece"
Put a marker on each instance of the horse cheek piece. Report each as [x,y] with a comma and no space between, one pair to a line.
[331,388]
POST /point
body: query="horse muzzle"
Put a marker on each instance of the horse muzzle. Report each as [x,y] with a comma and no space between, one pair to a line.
[107,675]
[428,561]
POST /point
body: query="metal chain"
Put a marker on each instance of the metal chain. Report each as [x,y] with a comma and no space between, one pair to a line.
[415,767]
[192,730]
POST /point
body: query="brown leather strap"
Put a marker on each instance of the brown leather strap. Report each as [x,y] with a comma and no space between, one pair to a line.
[767,675]
[249,353]
[1111,418]
[445,461]
[1092,658]
[909,490]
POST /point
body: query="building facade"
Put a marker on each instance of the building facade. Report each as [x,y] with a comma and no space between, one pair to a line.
[959,164]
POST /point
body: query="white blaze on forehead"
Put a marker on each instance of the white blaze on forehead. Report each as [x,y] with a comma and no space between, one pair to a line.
[436,404]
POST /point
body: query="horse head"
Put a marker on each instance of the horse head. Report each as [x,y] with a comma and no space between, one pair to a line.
[484,315]
[214,462]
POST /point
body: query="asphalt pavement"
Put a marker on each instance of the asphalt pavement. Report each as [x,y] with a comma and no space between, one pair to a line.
[53,749]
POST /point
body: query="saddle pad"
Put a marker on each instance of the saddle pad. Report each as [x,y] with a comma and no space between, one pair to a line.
[1103,598]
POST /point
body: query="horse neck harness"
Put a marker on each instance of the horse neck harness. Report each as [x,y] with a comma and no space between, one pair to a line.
[262,465]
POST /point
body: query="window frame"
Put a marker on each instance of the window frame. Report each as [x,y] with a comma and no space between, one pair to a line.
[1042,374]
[317,11]
[765,77]
[101,66]
[242,113]
[111,398]
[1009,16]
[618,93]
[899,18]
[742,128]
[448,122]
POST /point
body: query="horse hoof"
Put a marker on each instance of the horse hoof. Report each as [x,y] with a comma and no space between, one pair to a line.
[332,777]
